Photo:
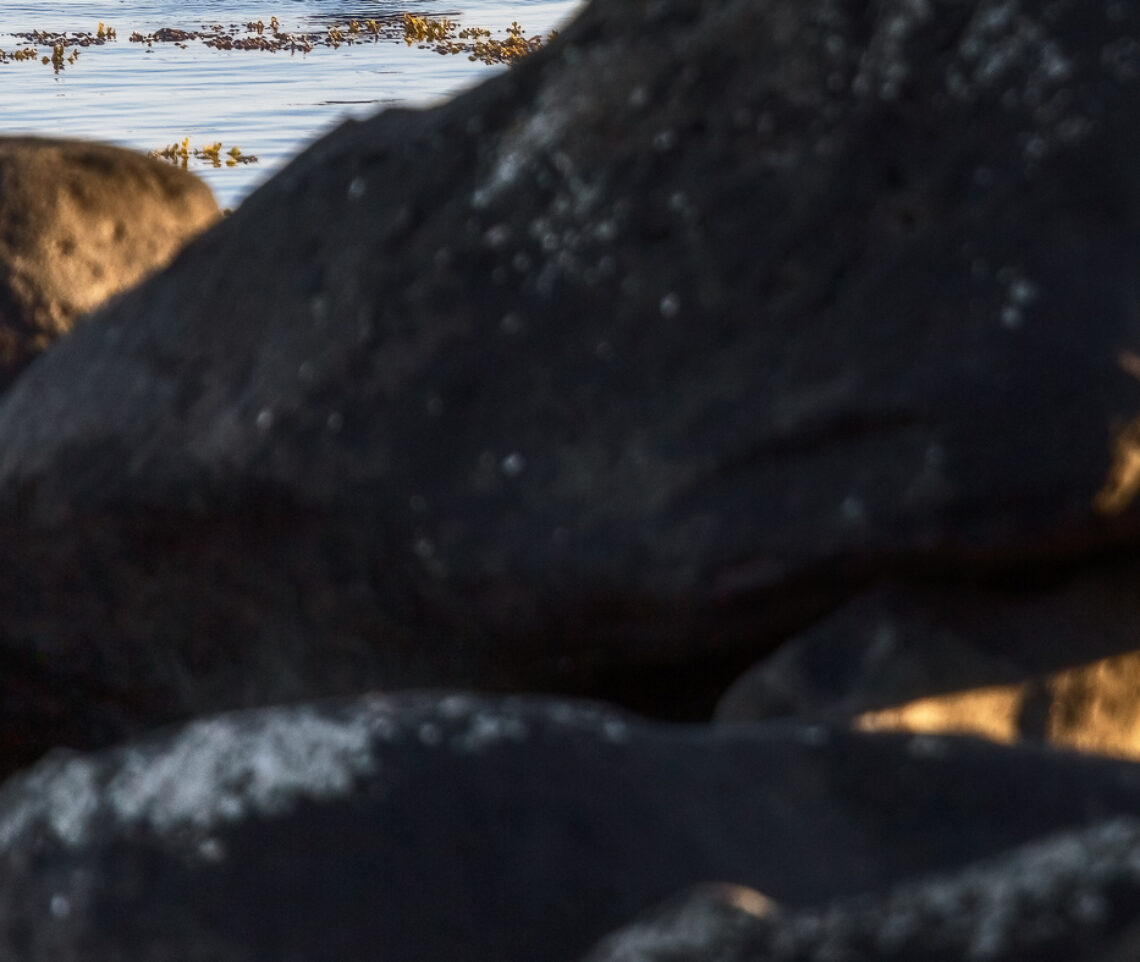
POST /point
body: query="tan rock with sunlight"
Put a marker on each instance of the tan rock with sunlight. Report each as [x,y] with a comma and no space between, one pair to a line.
[80,222]
[1091,708]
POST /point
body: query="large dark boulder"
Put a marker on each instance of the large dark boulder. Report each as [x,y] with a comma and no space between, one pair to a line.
[606,376]
[472,829]
[80,222]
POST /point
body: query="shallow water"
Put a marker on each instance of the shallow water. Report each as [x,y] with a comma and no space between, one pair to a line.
[268,104]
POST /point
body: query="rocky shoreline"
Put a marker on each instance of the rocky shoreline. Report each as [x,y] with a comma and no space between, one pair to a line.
[579,521]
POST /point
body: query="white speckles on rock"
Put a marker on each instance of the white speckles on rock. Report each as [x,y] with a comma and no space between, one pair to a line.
[62,793]
[1020,294]
[928,747]
[497,236]
[814,736]
[430,734]
[1011,317]
[522,148]
[670,305]
[513,464]
[320,308]
[224,768]
[885,66]
[60,906]
[211,850]
[264,419]
[458,706]
[1121,59]
[210,773]
[488,728]
[356,189]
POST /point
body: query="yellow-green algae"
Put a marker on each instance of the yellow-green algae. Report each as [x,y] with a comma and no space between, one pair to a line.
[437,33]
[181,153]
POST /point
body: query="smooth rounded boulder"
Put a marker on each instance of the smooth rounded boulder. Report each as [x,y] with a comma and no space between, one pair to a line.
[79,223]
[458,827]
[608,376]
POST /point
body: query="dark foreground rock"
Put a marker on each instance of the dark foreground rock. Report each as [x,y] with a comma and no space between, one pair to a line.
[473,829]
[607,376]
[1074,897]
[80,222]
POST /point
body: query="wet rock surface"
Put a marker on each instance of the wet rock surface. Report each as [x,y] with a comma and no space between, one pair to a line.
[82,222]
[605,377]
[468,828]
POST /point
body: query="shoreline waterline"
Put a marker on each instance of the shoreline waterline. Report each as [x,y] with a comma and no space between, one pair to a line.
[267,104]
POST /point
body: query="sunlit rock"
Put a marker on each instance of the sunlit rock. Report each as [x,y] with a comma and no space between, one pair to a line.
[79,223]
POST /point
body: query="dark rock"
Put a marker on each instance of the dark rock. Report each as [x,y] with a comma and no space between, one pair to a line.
[607,376]
[965,661]
[897,642]
[465,828]
[1070,898]
[80,223]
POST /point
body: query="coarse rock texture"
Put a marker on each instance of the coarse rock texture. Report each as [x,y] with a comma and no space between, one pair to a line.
[472,829]
[80,222]
[607,376]
[1074,897]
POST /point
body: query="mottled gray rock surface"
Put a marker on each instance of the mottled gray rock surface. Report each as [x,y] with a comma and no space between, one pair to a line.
[80,222]
[1069,898]
[471,829]
[607,376]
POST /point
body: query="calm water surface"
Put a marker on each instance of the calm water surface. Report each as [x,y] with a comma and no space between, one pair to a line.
[268,104]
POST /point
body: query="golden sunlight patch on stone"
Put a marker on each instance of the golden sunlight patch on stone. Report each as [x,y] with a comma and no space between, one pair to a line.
[1123,481]
[1095,708]
[991,713]
[1092,708]
[746,899]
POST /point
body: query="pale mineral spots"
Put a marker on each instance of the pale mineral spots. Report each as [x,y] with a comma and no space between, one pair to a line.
[1003,47]
[232,767]
[356,189]
[983,912]
[513,464]
[1021,292]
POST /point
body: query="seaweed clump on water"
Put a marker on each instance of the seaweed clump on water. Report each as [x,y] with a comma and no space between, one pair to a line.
[60,43]
[445,37]
[181,153]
